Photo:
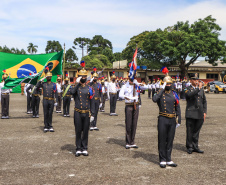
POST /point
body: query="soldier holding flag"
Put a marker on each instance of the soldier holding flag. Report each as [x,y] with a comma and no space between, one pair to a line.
[130,92]
[66,88]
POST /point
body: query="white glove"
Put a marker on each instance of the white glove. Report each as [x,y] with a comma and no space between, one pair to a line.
[91,79]
[91,119]
[139,106]
[71,99]
[55,104]
[100,105]
[177,125]
[78,79]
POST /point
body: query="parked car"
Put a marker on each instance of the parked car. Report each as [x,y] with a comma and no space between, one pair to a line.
[216,87]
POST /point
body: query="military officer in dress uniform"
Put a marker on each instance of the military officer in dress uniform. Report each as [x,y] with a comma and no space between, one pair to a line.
[112,94]
[28,88]
[104,92]
[196,111]
[131,92]
[66,89]
[98,99]
[49,97]
[59,96]
[4,97]
[36,93]
[169,109]
[84,107]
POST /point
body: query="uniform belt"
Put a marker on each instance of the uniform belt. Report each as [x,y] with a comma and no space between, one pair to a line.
[35,94]
[5,93]
[132,103]
[167,115]
[96,98]
[81,111]
[113,93]
[46,98]
[68,95]
[59,93]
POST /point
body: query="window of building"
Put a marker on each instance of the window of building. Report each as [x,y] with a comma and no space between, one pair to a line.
[212,76]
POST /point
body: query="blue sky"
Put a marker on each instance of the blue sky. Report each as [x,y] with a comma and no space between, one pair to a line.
[38,21]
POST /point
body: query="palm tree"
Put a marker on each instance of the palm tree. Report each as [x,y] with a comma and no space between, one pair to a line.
[32,48]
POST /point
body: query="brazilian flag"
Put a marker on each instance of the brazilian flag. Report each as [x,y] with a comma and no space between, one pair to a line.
[20,67]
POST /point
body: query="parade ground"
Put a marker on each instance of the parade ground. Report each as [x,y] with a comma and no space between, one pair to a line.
[29,156]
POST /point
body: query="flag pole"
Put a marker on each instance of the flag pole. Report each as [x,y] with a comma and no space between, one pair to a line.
[63,62]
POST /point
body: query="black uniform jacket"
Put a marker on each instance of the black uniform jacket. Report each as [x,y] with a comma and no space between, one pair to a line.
[168,103]
[83,96]
[196,103]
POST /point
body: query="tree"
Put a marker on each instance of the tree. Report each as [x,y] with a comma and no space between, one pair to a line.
[81,42]
[183,42]
[32,48]
[109,54]
[136,41]
[53,46]
[98,43]
[6,49]
[118,56]
[70,55]
[98,61]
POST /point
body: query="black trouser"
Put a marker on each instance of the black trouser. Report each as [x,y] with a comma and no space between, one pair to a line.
[131,123]
[66,105]
[5,104]
[96,109]
[29,103]
[59,100]
[113,100]
[182,94]
[81,122]
[166,133]
[193,128]
[48,106]
[153,92]
[117,95]
[103,103]
[149,93]
[35,105]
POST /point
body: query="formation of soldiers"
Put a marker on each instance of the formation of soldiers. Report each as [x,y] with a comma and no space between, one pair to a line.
[90,97]
[179,86]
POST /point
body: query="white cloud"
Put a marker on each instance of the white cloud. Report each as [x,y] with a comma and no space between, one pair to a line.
[27,21]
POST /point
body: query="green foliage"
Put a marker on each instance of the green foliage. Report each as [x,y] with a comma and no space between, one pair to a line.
[98,44]
[12,50]
[70,55]
[32,48]
[178,43]
[118,56]
[53,46]
[109,54]
[81,42]
[98,61]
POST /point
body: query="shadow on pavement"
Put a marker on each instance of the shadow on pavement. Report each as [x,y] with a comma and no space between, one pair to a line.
[69,147]
[180,147]
[147,156]
[119,142]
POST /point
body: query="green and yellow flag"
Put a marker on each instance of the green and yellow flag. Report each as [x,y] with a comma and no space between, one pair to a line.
[20,67]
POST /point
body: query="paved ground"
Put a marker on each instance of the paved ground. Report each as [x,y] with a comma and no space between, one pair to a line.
[29,156]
